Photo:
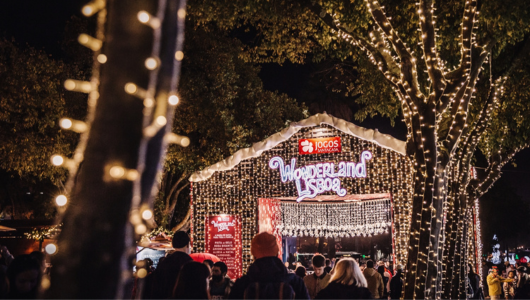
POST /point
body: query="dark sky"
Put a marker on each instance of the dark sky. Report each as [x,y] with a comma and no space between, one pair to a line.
[41,23]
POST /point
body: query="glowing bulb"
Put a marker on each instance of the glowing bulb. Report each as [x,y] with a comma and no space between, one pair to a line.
[173,100]
[131,88]
[161,120]
[65,123]
[61,200]
[149,102]
[147,214]
[57,160]
[179,55]
[185,142]
[140,229]
[143,16]
[181,13]
[89,42]
[51,249]
[151,63]
[88,10]
[69,84]
[141,273]
[102,58]
[117,172]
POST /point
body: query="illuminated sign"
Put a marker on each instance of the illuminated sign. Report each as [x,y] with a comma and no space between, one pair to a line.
[312,180]
[320,145]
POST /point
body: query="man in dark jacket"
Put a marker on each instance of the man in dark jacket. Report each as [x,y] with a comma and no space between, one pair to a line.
[522,290]
[267,268]
[167,271]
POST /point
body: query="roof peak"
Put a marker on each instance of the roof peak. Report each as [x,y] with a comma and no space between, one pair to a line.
[384,140]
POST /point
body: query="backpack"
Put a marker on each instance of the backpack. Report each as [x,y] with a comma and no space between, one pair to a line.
[269,290]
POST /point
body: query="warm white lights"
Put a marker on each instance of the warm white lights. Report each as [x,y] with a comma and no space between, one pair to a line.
[102,58]
[61,200]
[151,63]
[161,121]
[146,18]
[147,214]
[93,7]
[89,42]
[57,160]
[179,55]
[173,138]
[51,249]
[173,100]
[78,86]
[118,172]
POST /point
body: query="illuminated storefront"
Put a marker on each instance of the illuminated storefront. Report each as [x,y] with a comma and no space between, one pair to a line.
[320,177]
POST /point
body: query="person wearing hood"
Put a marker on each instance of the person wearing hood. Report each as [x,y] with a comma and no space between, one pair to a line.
[374,280]
[267,273]
[522,290]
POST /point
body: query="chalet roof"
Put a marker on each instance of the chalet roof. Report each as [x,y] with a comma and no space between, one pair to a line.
[374,136]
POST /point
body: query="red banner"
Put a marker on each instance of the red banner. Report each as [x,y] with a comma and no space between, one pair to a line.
[319,145]
[269,216]
[223,239]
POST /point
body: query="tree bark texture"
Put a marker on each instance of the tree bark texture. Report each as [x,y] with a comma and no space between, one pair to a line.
[93,256]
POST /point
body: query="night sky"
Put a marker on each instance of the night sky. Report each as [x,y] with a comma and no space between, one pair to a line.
[41,24]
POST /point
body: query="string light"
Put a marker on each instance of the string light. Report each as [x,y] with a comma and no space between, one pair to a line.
[173,100]
[61,200]
[51,248]
[146,18]
[74,125]
[89,42]
[93,7]
[118,172]
[173,138]
[151,63]
[179,55]
[102,58]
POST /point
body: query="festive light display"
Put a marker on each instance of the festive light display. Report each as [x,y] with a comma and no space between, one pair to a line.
[363,218]
[321,177]
[236,188]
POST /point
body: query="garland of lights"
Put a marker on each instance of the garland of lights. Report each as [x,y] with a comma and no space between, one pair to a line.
[236,191]
[364,218]
[43,233]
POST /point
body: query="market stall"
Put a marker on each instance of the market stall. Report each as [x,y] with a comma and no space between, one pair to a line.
[320,177]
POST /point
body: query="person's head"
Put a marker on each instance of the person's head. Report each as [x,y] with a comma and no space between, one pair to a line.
[511,274]
[495,271]
[347,272]
[181,242]
[40,258]
[319,261]
[399,268]
[380,263]
[208,262]
[264,245]
[520,271]
[192,282]
[470,269]
[362,266]
[381,270]
[328,262]
[300,271]
[387,264]
[369,263]
[219,271]
[24,275]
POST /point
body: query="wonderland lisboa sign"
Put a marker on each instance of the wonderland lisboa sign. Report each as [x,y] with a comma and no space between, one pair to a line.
[312,180]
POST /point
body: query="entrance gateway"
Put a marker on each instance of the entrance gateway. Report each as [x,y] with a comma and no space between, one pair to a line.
[319,179]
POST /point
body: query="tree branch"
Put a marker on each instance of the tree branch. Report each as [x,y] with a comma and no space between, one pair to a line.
[434,66]
[493,172]
[173,188]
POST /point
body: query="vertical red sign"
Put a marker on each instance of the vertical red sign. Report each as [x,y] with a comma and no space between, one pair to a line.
[223,239]
[269,216]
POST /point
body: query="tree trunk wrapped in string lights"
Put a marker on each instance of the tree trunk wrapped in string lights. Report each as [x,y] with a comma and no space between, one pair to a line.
[132,97]
[443,134]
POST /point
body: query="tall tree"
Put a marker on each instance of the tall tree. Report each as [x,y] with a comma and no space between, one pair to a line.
[131,100]
[430,57]
[223,108]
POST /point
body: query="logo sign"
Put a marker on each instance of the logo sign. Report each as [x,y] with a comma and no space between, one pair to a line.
[319,145]
[223,239]
[312,180]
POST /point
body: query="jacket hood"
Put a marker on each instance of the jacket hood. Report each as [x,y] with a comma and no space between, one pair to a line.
[370,272]
[267,269]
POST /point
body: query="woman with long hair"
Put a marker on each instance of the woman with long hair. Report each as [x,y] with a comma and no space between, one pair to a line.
[192,282]
[347,282]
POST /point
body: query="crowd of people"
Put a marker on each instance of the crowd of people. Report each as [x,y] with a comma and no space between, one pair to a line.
[505,282]
[179,277]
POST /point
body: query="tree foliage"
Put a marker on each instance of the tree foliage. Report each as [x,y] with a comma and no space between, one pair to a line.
[223,108]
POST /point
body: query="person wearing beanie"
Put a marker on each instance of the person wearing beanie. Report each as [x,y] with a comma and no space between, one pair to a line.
[267,272]
[374,280]
[319,279]
[167,271]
